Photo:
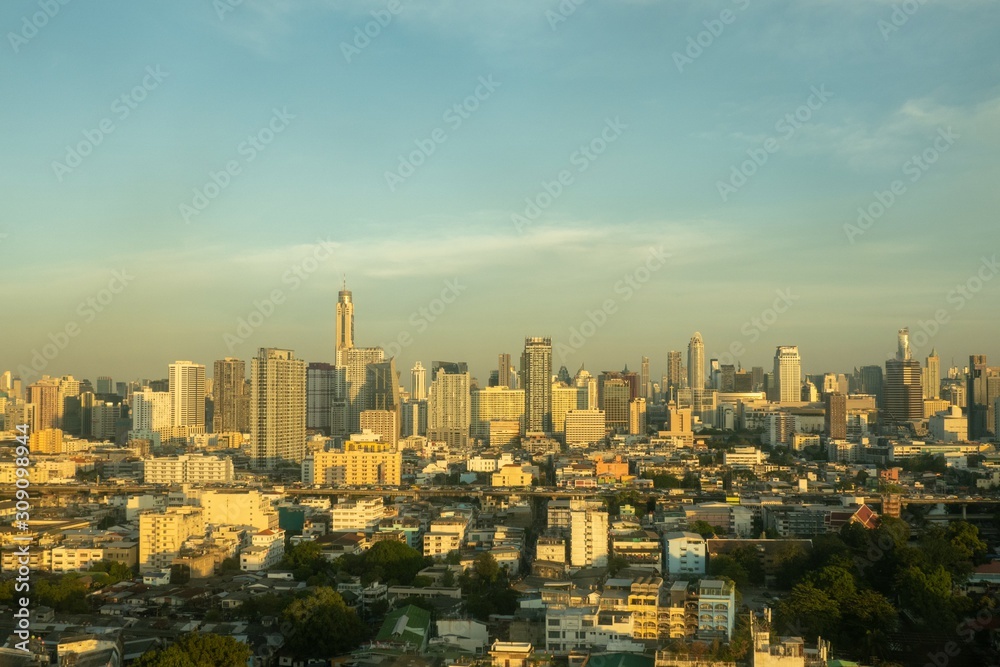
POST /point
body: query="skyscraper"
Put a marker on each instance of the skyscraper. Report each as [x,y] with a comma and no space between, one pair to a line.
[787,374]
[503,370]
[645,390]
[976,396]
[187,397]
[277,408]
[616,396]
[321,384]
[536,371]
[932,376]
[229,389]
[872,383]
[105,385]
[903,391]
[44,396]
[835,418]
[344,328]
[696,362]
[351,393]
[674,375]
[418,382]
[449,412]
[382,390]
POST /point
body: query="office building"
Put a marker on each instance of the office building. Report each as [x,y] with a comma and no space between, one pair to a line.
[932,376]
[536,371]
[835,417]
[903,392]
[187,398]
[277,408]
[787,374]
[616,398]
[675,378]
[645,389]
[44,396]
[231,400]
[564,399]
[637,416]
[449,404]
[418,382]
[977,397]
[321,383]
[584,427]
[352,392]
[105,385]
[504,373]
[496,404]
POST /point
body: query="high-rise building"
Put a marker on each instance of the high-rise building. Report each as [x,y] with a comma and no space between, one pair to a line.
[757,378]
[585,380]
[229,390]
[674,374]
[696,362]
[566,397]
[503,371]
[903,394]
[787,374]
[351,390]
[588,539]
[645,390]
[872,383]
[414,418]
[187,397]
[727,377]
[977,397]
[277,408]
[449,404]
[344,327]
[637,416]
[161,535]
[616,404]
[835,418]
[584,427]
[105,385]
[495,404]
[44,395]
[321,384]
[382,389]
[536,371]
[151,413]
[932,376]
[418,382]
[383,423]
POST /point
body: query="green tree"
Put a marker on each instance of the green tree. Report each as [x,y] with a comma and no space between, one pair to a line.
[727,566]
[116,571]
[926,594]
[485,568]
[229,566]
[199,650]
[809,611]
[835,581]
[398,562]
[703,528]
[323,626]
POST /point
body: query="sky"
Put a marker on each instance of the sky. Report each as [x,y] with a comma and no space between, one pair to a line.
[195,179]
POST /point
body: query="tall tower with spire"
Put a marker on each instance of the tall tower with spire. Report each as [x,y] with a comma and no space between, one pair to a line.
[344,329]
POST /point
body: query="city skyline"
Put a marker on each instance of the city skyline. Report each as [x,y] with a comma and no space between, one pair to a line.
[743,187]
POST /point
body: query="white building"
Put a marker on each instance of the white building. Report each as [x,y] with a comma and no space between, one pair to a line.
[188,469]
[187,397]
[716,609]
[449,412]
[588,540]
[359,514]
[949,426]
[266,550]
[585,427]
[787,374]
[151,413]
[743,456]
[161,535]
[236,507]
[686,553]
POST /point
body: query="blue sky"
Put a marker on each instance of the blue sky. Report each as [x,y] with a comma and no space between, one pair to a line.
[888,94]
